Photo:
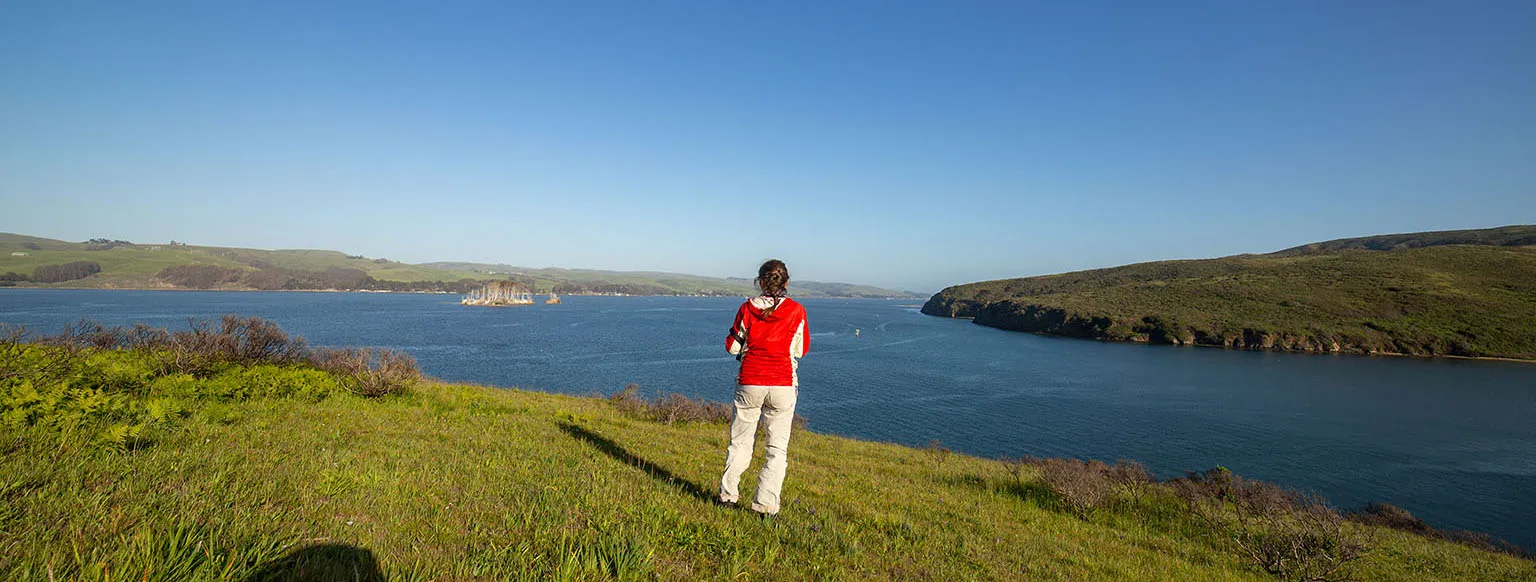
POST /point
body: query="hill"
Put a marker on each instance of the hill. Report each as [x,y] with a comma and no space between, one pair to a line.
[576,281]
[1506,236]
[184,459]
[1431,294]
[125,265]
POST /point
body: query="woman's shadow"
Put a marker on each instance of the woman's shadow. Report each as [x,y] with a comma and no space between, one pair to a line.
[623,455]
[321,563]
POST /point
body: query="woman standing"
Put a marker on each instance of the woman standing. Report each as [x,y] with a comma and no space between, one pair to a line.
[768,337]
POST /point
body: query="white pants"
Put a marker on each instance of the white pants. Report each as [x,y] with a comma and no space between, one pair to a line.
[776,406]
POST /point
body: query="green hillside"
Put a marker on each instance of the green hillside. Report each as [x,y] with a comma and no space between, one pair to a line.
[580,280]
[1430,295]
[185,459]
[124,265]
[127,265]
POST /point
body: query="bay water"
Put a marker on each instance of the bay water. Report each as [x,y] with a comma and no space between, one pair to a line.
[1453,441]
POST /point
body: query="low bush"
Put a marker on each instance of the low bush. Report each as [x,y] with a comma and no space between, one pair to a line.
[675,408]
[1132,477]
[368,372]
[1291,535]
[199,276]
[1392,516]
[1081,485]
[670,408]
[65,272]
[116,386]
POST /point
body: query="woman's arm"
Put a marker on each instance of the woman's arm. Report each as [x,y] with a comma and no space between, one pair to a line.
[802,340]
[736,341]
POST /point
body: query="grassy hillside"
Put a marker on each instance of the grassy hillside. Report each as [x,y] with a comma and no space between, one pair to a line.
[134,464]
[1506,236]
[575,280]
[136,265]
[143,266]
[1430,296]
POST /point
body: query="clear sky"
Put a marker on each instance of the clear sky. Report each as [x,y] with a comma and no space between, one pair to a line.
[897,144]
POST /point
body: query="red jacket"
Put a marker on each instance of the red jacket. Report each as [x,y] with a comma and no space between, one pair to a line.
[769,346]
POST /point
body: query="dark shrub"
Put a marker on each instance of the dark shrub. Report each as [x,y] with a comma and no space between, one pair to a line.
[199,276]
[65,272]
[369,372]
[32,245]
[669,408]
[1080,485]
[1387,515]
[1290,535]
[198,350]
[13,277]
[268,279]
[1132,477]
[673,408]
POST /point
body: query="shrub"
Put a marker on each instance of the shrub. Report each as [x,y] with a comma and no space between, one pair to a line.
[369,372]
[1293,536]
[669,408]
[1132,477]
[1392,516]
[199,276]
[65,272]
[205,349]
[937,454]
[674,408]
[1014,466]
[1080,485]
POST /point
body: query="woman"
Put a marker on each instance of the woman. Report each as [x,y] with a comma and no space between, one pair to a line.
[768,337]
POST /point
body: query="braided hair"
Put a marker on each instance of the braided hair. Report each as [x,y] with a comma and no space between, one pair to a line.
[773,280]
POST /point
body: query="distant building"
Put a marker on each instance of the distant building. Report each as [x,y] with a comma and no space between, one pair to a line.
[19,254]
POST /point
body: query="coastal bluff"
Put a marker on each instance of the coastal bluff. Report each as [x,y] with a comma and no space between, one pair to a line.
[1452,293]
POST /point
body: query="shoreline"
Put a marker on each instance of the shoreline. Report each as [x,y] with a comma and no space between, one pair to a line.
[1269,351]
[34,287]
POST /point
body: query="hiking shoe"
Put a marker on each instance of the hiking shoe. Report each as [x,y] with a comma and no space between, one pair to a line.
[769,518]
[726,504]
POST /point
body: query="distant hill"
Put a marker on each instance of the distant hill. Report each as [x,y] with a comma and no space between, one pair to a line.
[658,283]
[1461,293]
[116,264]
[1506,236]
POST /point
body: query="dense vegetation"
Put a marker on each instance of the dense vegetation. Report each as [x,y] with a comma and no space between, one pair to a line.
[65,272]
[1429,296]
[125,265]
[232,452]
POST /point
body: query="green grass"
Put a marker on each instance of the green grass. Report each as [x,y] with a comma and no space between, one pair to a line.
[1462,300]
[250,471]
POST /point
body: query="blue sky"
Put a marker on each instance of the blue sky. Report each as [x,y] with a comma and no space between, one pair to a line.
[897,144]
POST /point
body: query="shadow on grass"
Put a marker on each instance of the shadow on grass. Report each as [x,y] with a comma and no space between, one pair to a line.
[623,455]
[321,563]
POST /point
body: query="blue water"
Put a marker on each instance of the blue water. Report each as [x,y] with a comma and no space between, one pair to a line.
[1451,441]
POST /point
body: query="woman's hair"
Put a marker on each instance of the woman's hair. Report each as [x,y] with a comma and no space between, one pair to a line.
[773,280]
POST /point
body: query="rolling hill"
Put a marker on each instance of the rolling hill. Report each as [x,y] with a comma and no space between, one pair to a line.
[126,265]
[1449,293]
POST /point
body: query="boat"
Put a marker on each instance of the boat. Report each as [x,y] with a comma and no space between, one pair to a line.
[553,299]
